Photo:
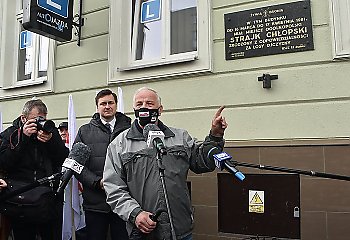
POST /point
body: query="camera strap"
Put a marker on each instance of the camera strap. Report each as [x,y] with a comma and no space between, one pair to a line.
[19,137]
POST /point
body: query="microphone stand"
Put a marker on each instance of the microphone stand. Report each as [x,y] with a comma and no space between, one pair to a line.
[161,174]
[290,170]
[30,186]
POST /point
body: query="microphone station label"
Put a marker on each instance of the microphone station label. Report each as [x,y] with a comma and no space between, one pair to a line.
[73,165]
[152,135]
[220,158]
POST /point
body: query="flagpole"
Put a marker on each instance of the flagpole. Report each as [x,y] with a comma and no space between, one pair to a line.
[72,212]
[71,138]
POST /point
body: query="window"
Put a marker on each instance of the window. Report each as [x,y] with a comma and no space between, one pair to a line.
[341,32]
[27,58]
[149,38]
[166,33]
[32,56]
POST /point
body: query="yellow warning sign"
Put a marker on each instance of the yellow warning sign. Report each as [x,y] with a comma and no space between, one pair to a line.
[256,201]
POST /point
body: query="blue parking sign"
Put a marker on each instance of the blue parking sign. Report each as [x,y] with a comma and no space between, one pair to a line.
[59,7]
[25,40]
[150,11]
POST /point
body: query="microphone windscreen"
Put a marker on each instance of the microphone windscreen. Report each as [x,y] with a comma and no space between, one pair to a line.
[149,127]
[80,152]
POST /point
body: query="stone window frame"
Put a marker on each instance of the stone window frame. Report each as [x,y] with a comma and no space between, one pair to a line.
[123,69]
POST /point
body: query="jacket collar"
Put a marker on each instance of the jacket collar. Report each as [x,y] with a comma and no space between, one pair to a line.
[17,122]
[136,134]
[122,122]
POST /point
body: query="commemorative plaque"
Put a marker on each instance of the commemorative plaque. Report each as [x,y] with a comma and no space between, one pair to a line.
[276,29]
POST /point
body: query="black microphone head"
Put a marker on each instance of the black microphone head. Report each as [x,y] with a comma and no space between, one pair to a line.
[149,127]
[80,153]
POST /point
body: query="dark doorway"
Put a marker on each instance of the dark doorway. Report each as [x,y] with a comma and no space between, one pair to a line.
[261,205]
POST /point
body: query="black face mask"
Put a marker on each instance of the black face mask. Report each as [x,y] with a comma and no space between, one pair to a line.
[146,116]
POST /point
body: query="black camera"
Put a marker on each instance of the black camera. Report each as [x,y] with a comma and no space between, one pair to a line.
[45,125]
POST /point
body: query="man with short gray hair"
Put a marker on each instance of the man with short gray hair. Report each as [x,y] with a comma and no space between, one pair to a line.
[131,175]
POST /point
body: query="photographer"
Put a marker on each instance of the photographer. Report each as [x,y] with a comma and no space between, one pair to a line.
[32,149]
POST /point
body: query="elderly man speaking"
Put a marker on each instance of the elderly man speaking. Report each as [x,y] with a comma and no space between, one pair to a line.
[131,175]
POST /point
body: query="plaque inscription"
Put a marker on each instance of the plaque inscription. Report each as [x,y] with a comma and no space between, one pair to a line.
[277,29]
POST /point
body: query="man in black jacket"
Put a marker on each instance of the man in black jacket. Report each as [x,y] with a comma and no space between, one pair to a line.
[30,152]
[104,126]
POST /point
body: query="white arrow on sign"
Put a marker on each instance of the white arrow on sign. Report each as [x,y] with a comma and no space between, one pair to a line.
[53,4]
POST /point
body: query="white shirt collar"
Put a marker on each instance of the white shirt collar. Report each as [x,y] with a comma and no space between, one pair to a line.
[112,123]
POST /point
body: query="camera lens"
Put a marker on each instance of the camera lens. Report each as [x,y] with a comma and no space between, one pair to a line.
[48,126]
[45,125]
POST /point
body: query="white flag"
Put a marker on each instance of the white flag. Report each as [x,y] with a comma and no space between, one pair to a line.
[1,122]
[120,104]
[72,126]
[73,214]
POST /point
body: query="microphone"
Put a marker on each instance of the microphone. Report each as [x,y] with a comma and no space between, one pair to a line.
[74,163]
[222,162]
[154,137]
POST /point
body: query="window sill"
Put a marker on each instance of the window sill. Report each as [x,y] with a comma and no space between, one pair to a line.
[138,65]
[27,83]
[341,56]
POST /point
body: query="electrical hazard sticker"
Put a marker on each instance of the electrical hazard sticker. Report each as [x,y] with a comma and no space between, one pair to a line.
[256,201]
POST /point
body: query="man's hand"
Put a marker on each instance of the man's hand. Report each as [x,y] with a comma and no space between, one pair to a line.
[3,184]
[144,223]
[29,127]
[43,136]
[218,124]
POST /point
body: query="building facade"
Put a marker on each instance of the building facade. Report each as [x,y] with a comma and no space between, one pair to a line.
[199,55]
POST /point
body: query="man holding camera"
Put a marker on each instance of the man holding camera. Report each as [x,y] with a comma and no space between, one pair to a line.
[32,149]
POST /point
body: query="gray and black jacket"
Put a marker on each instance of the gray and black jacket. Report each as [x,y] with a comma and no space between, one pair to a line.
[132,181]
[97,137]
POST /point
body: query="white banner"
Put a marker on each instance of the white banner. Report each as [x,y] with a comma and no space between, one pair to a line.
[72,195]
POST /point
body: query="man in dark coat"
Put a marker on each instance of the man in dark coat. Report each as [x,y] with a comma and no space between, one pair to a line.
[31,151]
[104,126]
